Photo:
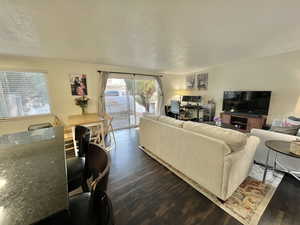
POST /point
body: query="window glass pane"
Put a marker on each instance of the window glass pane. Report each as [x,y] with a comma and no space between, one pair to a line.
[23,94]
[127,97]
[119,102]
[146,96]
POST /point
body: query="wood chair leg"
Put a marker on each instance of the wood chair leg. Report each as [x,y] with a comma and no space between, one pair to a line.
[222,201]
[113,133]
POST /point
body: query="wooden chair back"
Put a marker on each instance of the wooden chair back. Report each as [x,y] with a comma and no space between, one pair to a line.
[107,122]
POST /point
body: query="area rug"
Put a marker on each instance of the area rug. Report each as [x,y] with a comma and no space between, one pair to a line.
[249,201]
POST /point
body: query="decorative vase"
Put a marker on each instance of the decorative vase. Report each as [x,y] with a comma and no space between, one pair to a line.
[83,110]
[82,102]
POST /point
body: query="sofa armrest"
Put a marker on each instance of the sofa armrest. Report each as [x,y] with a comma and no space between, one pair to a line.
[261,153]
[237,166]
[269,135]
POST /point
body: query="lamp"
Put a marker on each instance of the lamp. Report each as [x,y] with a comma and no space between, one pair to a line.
[176,97]
[297,109]
[182,92]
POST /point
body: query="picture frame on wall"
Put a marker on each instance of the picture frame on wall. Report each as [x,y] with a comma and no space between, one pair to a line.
[78,84]
[190,81]
[202,81]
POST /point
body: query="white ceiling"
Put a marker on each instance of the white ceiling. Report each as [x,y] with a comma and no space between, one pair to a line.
[175,36]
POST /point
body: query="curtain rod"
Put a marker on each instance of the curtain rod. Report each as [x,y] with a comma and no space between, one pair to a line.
[99,71]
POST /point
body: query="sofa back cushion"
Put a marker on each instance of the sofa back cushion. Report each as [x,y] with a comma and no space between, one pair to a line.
[234,139]
[151,116]
[291,130]
[170,121]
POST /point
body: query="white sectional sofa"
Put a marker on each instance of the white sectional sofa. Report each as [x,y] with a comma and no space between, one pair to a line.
[215,158]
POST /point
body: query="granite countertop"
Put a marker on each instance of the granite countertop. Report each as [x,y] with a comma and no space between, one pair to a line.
[33,183]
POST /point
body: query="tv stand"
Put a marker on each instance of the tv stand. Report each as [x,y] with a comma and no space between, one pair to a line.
[244,122]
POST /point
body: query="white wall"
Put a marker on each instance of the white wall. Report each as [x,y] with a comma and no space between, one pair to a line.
[279,74]
[62,102]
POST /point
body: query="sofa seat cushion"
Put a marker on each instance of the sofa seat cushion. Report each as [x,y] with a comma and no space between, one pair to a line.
[234,139]
[171,121]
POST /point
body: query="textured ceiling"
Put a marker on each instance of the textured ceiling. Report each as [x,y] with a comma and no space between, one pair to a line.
[174,36]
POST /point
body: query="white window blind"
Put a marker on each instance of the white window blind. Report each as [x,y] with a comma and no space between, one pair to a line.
[23,94]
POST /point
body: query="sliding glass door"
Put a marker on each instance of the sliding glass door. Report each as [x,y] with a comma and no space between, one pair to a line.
[119,102]
[145,96]
[128,97]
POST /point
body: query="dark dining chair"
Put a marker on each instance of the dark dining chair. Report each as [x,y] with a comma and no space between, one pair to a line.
[79,132]
[93,207]
[97,161]
[76,165]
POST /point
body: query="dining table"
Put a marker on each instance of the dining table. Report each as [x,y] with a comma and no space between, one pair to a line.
[33,179]
[93,121]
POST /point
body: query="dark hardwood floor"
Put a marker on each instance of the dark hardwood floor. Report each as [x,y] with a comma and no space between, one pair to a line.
[143,192]
[284,207]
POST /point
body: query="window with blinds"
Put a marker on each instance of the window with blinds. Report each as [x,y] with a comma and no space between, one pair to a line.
[23,94]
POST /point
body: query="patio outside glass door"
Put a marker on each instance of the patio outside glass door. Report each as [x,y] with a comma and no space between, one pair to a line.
[128,97]
[145,96]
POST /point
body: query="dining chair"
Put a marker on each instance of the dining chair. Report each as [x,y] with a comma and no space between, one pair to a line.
[97,160]
[107,130]
[93,207]
[76,165]
[39,126]
[79,131]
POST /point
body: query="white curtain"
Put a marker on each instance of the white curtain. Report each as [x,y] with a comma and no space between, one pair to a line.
[103,80]
[3,99]
[161,100]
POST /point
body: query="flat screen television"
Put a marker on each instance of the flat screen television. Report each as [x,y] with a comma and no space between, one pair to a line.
[249,102]
[189,98]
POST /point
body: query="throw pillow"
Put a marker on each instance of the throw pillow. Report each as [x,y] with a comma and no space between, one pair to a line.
[293,120]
